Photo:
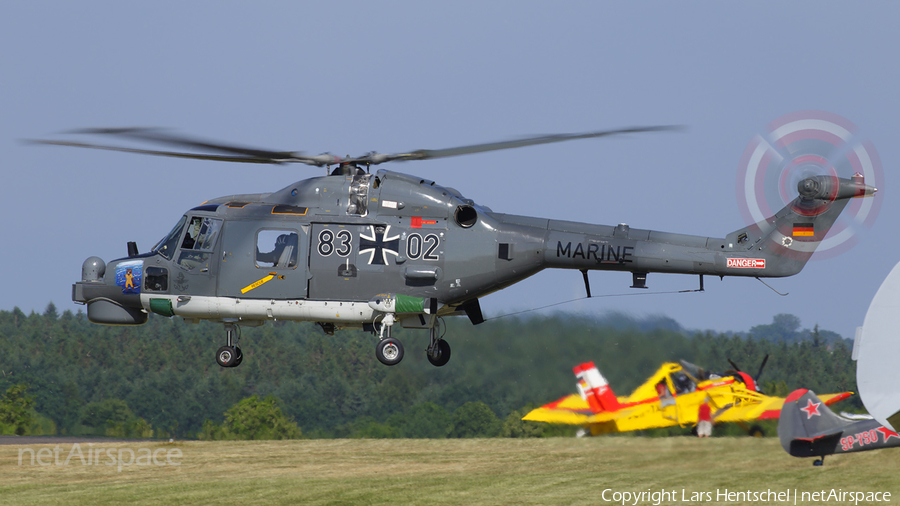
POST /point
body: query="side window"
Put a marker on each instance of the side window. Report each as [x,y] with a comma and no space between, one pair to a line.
[156,279]
[199,239]
[276,248]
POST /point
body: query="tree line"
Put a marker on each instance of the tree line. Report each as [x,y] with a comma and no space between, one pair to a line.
[161,378]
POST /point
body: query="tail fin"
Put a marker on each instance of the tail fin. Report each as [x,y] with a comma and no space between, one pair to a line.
[804,417]
[787,240]
[594,388]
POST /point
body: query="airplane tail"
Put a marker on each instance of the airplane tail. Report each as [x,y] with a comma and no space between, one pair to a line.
[594,388]
[786,241]
[806,422]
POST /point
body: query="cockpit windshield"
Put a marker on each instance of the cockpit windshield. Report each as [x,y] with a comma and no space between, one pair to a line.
[202,234]
[166,247]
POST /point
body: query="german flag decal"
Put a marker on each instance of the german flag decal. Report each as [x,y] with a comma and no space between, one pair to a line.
[803,230]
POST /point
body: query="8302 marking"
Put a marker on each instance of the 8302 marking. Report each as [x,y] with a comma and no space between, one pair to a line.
[341,243]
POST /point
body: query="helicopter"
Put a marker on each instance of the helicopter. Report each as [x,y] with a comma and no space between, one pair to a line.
[356,249]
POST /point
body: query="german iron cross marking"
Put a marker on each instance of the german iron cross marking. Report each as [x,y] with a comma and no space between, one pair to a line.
[379,244]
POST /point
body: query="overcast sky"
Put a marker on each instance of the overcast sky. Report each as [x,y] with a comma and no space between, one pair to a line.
[351,77]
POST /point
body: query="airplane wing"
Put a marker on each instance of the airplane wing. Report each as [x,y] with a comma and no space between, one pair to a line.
[769,408]
[573,410]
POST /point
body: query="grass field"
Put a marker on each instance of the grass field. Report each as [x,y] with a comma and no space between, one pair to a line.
[555,471]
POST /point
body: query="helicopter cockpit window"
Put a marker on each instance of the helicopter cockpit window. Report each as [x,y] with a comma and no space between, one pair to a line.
[166,247]
[276,248]
[201,234]
[199,239]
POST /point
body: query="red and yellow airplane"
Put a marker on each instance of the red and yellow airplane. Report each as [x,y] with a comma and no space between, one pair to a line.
[672,396]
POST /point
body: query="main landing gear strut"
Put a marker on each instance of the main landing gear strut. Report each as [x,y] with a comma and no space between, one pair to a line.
[389,350]
[230,355]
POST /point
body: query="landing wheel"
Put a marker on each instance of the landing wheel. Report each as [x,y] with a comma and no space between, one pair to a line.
[439,353]
[389,351]
[240,357]
[227,356]
[756,431]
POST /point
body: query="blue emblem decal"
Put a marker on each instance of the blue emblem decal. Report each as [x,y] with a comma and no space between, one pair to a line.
[129,274]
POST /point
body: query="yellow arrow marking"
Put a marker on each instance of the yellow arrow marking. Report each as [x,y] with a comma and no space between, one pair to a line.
[257,284]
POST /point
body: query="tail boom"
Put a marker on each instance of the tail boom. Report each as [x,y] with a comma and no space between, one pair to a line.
[775,247]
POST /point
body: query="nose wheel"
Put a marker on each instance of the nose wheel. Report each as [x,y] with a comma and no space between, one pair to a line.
[389,351]
[229,355]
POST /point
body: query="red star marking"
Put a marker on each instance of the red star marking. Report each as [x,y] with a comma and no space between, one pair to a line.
[812,408]
[887,433]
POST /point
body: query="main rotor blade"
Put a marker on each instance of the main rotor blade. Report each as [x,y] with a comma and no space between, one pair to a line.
[250,155]
[159,136]
[218,158]
[427,154]
[254,155]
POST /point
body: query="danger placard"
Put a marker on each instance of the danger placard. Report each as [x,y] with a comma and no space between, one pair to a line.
[747,263]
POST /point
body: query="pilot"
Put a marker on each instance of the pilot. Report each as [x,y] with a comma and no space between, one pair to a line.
[188,259]
[665,396]
[274,256]
[193,233]
[683,384]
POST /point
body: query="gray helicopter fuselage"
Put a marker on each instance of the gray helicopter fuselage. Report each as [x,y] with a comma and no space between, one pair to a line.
[321,249]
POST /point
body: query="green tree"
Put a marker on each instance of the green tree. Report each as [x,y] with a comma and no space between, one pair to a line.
[514,426]
[255,418]
[109,411]
[113,417]
[424,420]
[784,328]
[475,419]
[776,388]
[50,311]
[366,427]
[16,413]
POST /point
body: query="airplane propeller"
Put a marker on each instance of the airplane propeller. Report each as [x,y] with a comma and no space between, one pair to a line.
[234,153]
[758,373]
